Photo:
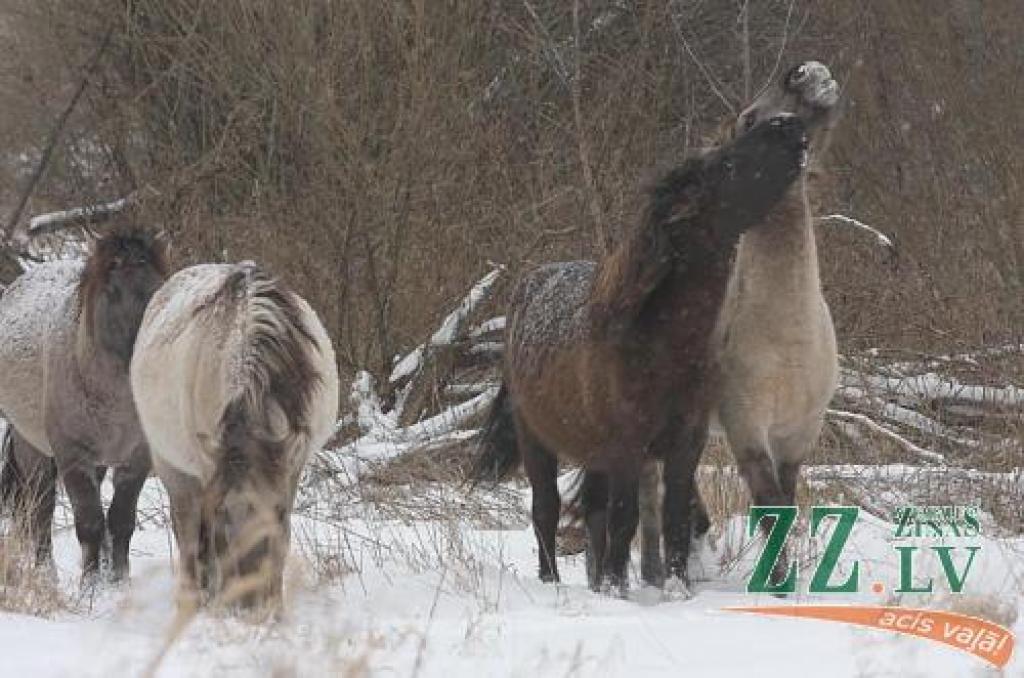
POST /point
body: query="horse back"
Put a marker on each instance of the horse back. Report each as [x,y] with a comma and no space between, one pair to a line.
[37,318]
[568,386]
[190,364]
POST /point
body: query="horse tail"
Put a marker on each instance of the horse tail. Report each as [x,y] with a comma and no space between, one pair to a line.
[10,479]
[498,450]
[273,377]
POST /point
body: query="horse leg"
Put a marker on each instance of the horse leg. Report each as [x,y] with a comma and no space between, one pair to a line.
[681,498]
[652,567]
[542,469]
[79,478]
[595,516]
[788,472]
[623,516]
[758,472]
[699,512]
[185,496]
[128,482]
[789,453]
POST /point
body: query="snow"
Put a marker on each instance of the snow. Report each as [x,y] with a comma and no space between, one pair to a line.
[35,303]
[935,386]
[448,331]
[496,324]
[45,222]
[449,598]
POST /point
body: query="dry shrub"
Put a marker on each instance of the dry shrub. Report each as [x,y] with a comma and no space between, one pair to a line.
[24,587]
[378,154]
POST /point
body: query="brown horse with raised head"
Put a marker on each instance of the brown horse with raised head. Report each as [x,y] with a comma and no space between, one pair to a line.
[253,392]
[67,331]
[608,364]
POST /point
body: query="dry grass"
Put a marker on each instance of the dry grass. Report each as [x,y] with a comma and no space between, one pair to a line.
[25,588]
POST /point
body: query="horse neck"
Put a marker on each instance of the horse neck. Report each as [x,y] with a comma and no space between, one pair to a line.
[683,313]
[92,358]
[778,258]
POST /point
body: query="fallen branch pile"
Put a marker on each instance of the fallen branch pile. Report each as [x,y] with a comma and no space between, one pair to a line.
[940,411]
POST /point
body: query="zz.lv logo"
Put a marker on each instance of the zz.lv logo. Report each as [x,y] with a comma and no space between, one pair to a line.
[780,520]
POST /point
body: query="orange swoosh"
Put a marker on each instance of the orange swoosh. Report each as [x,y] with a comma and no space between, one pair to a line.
[984,639]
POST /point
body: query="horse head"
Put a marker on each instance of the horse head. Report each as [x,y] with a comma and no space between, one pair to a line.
[807,91]
[123,270]
[750,175]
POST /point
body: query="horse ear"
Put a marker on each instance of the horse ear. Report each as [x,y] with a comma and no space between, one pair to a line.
[162,245]
[91,239]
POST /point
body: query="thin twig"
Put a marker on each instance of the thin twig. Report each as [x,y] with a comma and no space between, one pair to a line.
[871,424]
[716,86]
[430,618]
[782,49]
[58,127]
[581,139]
[882,238]
[745,23]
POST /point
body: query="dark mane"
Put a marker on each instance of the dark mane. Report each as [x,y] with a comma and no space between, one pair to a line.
[633,272]
[120,243]
[275,367]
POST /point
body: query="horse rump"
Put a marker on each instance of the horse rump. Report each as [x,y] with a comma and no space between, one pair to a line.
[498,449]
[9,479]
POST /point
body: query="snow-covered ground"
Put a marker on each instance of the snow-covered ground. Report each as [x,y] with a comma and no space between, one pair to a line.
[446,598]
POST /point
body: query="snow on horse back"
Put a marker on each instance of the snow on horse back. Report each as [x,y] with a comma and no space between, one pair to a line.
[236,385]
[67,331]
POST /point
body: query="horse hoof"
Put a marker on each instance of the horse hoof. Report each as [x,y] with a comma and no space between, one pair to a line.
[676,588]
[549,578]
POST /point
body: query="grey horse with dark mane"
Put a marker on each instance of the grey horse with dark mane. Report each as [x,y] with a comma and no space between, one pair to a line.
[67,331]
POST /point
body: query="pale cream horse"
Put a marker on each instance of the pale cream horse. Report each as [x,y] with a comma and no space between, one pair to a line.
[236,385]
[774,341]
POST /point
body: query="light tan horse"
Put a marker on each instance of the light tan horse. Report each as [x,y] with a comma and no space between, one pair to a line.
[236,385]
[774,340]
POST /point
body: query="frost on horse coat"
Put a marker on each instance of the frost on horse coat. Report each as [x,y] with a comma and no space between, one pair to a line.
[608,364]
[67,329]
[236,385]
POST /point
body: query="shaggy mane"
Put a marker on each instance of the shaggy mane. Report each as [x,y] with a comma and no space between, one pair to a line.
[98,266]
[628,277]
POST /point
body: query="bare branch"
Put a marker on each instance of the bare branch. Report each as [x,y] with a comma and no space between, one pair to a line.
[52,222]
[868,422]
[589,186]
[717,87]
[781,51]
[881,238]
[745,31]
[58,127]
